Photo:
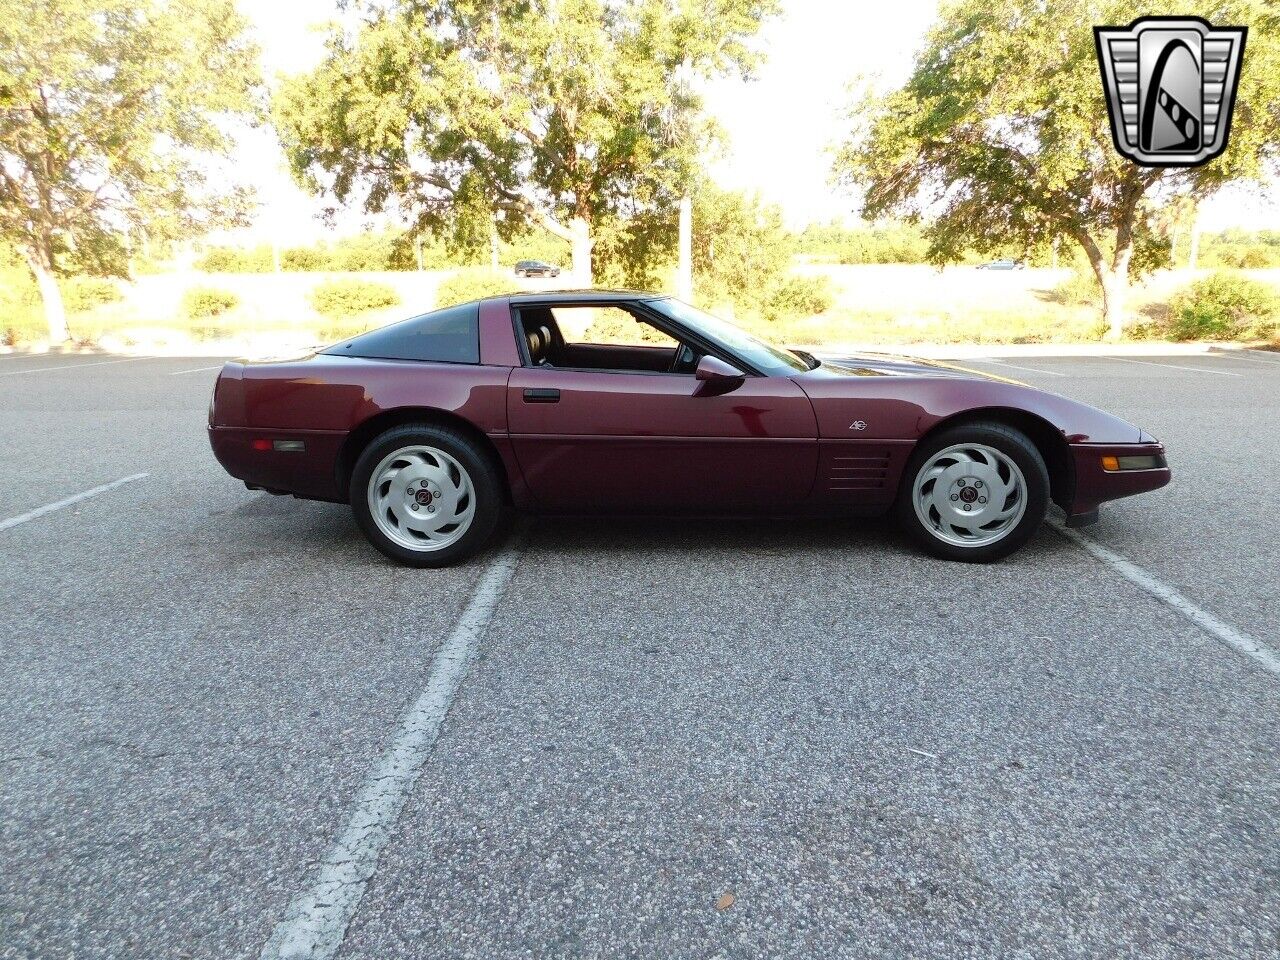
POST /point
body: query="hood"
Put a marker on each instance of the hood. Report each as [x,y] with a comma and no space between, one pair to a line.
[890,365]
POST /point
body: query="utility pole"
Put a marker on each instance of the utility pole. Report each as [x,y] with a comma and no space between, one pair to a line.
[684,272]
[684,278]
[1195,241]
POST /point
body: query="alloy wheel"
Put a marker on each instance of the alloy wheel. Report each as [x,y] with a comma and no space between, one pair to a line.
[421,498]
[970,495]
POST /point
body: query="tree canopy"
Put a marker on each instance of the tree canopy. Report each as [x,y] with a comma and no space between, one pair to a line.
[579,115]
[109,113]
[1001,135]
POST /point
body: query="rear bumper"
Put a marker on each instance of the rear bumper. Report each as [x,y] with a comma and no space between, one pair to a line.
[310,472]
[1096,485]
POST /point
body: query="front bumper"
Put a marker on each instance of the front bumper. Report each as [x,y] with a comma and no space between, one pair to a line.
[1096,484]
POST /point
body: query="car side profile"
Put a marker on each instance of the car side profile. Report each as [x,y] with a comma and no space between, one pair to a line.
[635,403]
[536,268]
[1006,264]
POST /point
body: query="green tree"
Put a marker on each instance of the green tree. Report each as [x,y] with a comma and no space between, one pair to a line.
[1001,135]
[562,113]
[741,250]
[742,255]
[109,112]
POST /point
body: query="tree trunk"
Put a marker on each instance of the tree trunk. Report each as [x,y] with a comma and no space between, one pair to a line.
[55,314]
[581,231]
[1113,278]
[1115,287]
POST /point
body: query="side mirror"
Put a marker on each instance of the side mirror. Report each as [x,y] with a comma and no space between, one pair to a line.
[716,371]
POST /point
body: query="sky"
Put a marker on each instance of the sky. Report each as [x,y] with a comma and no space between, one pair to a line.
[779,126]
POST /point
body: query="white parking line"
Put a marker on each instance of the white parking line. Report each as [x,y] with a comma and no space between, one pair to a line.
[317,920]
[1240,355]
[1174,366]
[178,373]
[1259,653]
[1005,363]
[82,495]
[70,366]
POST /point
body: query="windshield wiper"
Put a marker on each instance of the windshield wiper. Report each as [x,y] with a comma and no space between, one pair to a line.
[812,362]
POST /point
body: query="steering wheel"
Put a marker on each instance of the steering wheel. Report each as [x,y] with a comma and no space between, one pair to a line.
[684,360]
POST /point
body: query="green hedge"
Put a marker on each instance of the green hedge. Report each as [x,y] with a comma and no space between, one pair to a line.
[472,285]
[1224,307]
[336,299]
[1080,289]
[364,253]
[884,243]
[237,260]
[200,303]
[388,250]
[80,294]
[1244,256]
[799,296]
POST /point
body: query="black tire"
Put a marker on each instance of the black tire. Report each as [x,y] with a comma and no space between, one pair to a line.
[1013,444]
[486,481]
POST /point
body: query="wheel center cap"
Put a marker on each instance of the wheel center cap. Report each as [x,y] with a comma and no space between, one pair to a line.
[968,494]
[423,496]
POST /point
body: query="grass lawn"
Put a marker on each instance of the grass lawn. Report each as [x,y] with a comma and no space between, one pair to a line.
[893,304]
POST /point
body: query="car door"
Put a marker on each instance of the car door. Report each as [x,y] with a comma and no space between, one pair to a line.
[655,441]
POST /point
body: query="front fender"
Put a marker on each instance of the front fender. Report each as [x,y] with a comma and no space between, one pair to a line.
[906,408]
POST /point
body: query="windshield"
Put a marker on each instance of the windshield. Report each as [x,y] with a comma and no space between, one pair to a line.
[765,357]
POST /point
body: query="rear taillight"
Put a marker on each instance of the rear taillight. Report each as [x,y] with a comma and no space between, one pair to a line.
[279,446]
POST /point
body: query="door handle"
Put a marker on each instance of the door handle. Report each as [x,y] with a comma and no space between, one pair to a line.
[541,395]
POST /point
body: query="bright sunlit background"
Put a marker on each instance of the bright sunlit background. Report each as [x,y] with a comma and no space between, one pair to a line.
[778,127]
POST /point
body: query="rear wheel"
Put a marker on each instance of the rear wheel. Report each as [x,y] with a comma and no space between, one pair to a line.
[975,492]
[426,495]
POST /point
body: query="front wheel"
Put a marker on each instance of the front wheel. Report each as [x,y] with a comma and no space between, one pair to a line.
[975,492]
[426,495]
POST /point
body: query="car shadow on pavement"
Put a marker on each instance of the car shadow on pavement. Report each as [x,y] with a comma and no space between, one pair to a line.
[755,535]
[314,529]
[864,538]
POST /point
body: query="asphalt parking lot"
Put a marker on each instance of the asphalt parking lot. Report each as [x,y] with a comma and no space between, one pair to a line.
[674,740]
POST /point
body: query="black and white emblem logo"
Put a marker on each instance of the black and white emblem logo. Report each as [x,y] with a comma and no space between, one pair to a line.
[1170,84]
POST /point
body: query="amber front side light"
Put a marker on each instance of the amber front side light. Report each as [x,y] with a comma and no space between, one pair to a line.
[1110,463]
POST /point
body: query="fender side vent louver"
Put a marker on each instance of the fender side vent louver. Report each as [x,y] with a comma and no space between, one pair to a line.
[859,473]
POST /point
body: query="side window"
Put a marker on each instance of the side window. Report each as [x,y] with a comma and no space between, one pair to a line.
[601,337]
[451,335]
[608,326]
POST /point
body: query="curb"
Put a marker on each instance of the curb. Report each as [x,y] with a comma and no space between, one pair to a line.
[967,351]
[925,351]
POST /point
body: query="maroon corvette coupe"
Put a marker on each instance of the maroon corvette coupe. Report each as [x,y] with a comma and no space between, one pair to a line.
[637,403]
